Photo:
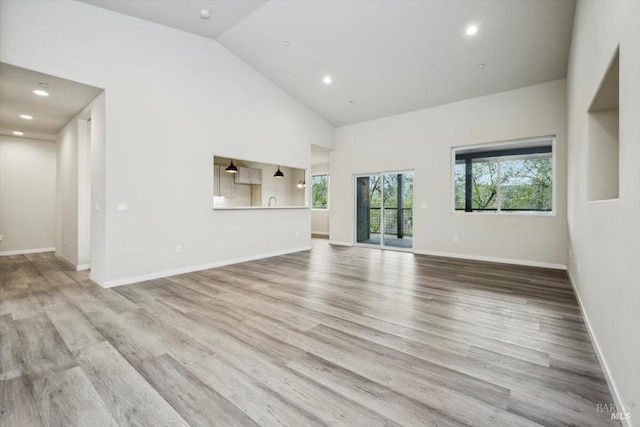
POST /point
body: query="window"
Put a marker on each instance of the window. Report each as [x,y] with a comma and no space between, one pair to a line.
[505,177]
[320,192]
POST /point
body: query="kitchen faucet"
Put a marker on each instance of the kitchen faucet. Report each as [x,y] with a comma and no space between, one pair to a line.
[274,199]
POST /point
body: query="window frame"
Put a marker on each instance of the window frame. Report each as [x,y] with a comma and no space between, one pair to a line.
[506,145]
[328,190]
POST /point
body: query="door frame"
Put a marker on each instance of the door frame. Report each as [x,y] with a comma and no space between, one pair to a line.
[355,211]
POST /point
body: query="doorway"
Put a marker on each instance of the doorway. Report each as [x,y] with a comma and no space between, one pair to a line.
[384,210]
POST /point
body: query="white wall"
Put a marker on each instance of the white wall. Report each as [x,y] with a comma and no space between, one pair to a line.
[422,141]
[67,193]
[172,101]
[79,145]
[320,217]
[27,195]
[605,235]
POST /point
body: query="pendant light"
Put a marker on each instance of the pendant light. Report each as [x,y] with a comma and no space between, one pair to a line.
[231,168]
[278,173]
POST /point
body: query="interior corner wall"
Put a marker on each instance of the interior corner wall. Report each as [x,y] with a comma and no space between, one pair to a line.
[97,211]
[80,236]
[27,195]
[173,101]
[67,193]
[605,235]
[422,141]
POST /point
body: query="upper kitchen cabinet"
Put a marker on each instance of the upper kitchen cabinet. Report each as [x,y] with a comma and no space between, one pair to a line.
[248,176]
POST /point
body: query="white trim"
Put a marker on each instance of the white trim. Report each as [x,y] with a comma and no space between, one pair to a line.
[603,363]
[72,265]
[183,270]
[335,242]
[322,233]
[494,259]
[82,267]
[27,251]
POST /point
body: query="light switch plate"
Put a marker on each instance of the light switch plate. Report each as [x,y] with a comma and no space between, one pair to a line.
[123,207]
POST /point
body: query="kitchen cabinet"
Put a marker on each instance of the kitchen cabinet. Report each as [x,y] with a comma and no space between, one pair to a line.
[248,176]
[255,176]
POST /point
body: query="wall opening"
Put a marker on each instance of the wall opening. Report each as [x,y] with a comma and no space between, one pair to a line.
[603,133]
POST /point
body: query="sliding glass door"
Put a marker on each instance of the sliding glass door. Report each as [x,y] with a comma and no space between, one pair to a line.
[384,209]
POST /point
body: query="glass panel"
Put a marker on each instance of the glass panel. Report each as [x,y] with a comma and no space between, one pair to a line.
[459,182]
[368,204]
[398,210]
[526,184]
[320,192]
[484,184]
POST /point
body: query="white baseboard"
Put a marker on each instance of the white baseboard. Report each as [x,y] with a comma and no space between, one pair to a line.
[174,272]
[27,251]
[72,265]
[335,242]
[322,233]
[603,363]
[494,259]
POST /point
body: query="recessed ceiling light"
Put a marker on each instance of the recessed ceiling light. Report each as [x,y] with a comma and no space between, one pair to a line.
[44,85]
[41,92]
[327,80]
[205,14]
[471,30]
[286,43]
[18,132]
[481,66]
[26,116]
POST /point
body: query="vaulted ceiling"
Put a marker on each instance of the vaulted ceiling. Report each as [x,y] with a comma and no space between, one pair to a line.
[384,57]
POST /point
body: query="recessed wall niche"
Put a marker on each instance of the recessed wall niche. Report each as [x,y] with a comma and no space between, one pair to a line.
[604,148]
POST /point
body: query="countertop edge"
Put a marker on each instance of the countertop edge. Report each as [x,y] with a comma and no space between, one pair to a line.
[251,208]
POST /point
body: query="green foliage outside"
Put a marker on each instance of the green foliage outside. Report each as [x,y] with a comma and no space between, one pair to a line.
[390,200]
[391,191]
[523,184]
[320,192]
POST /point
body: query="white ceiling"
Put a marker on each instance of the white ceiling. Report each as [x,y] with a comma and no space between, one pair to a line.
[390,57]
[185,14]
[385,57]
[50,114]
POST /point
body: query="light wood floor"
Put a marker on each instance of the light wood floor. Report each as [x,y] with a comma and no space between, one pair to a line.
[333,336]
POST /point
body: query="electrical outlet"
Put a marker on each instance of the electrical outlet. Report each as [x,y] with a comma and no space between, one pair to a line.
[0,237]
[455,238]
[64,240]
[297,234]
[179,249]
